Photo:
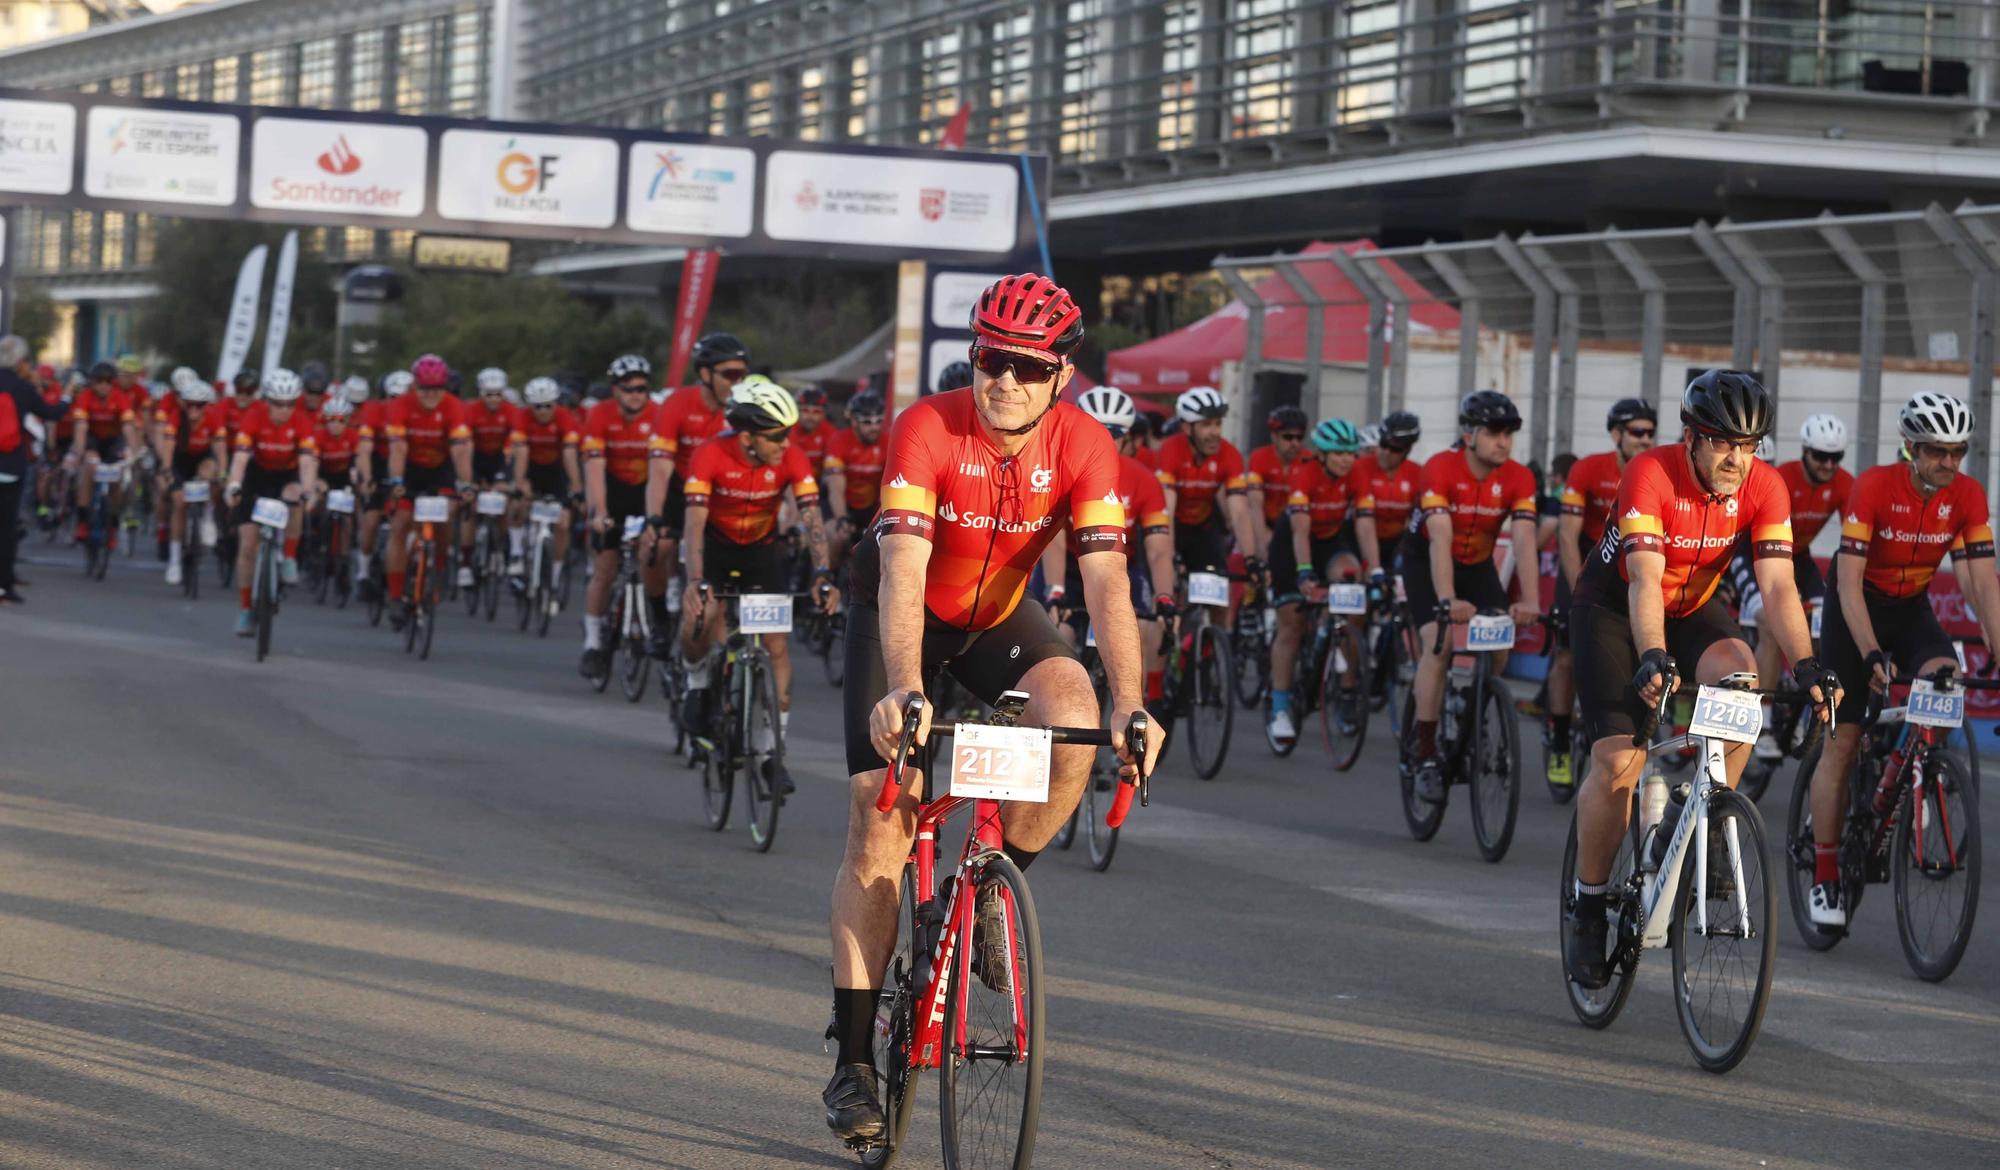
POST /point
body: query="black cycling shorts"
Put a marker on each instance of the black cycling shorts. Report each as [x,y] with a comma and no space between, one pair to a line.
[491,467]
[1477,583]
[1285,563]
[548,479]
[427,481]
[764,567]
[260,483]
[1812,582]
[109,450]
[187,465]
[1600,642]
[1906,628]
[985,662]
[621,500]
[1204,548]
[338,481]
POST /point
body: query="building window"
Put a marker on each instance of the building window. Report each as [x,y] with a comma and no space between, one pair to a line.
[812,102]
[413,68]
[153,83]
[225,80]
[718,111]
[1082,82]
[1366,82]
[45,250]
[267,76]
[317,73]
[121,86]
[1495,53]
[857,96]
[189,83]
[1180,76]
[111,250]
[1263,35]
[938,78]
[757,120]
[144,237]
[364,70]
[467,49]
[81,241]
[400,243]
[359,243]
[1009,52]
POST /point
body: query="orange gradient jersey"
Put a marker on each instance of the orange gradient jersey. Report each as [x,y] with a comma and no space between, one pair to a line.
[1903,536]
[1663,508]
[742,497]
[1477,507]
[1591,492]
[1199,482]
[990,516]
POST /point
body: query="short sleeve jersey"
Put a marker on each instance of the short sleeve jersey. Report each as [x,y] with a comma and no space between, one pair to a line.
[1325,501]
[547,440]
[1147,458]
[493,431]
[1389,497]
[627,445]
[1663,508]
[192,434]
[1144,501]
[1813,504]
[336,452]
[742,497]
[105,414]
[813,445]
[1272,480]
[371,422]
[430,433]
[1591,492]
[1904,536]
[687,421]
[1477,507]
[275,446]
[988,516]
[860,464]
[1196,481]
[53,395]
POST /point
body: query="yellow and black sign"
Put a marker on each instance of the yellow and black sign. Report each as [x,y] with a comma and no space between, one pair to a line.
[462,254]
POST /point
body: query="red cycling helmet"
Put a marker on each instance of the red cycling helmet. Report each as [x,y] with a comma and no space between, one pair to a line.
[430,371]
[1029,311]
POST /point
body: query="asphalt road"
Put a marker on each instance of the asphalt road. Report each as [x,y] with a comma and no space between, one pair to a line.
[347,909]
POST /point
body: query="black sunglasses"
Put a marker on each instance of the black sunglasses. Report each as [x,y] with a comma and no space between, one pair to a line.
[1826,456]
[1638,433]
[633,388]
[995,363]
[779,436]
[731,376]
[1292,436]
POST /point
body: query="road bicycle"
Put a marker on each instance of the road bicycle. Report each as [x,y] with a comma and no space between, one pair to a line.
[1197,669]
[1250,637]
[627,622]
[1557,629]
[939,1007]
[1695,883]
[432,514]
[98,520]
[488,557]
[327,563]
[136,514]
[198,527]
[1100,838]
[266,585]
[1477,738]
[1915,828]
[745,732]
[539,594]
[1330,674]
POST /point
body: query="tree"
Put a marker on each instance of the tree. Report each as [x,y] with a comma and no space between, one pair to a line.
[195,263]
[34,317]
[526,325]
[804,318]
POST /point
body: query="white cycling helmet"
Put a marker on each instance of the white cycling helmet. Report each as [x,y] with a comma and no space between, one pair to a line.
[197,393]
[491,380]
[181,378]
[336,406]
[629,364]
[1371,436]
[1110,406]
[1936,418]
[397,383]
[281,385]
[1767,449]
[355,388]
[1824,433]
[1199,403]
[542,392]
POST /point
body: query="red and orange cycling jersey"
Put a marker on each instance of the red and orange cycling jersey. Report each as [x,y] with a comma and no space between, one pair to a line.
[1145,504]
[429,433]
[627,445]
[990,516]
[1477,507]
[191,433]
[1196,481]
[742,497]
[1388,497]
[275,446]
[546,441]
[814,443]
[371,422]
[493,431]
[1813,504]
[105,414]
[53,395]
[336,452]
[1591,492]
[1147,458]
[1324,500]
[1272,480]
[1663,508]
[1903,536]
[860,465]
[687,421]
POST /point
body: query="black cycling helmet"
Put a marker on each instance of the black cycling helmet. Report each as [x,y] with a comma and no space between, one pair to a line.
[1628,410]
[715,348]
[1286,418]
[315,377]
[1728,404]
[247,378]
[103,372]
[865,404]
[953,377]
[1401,427]
[812,396]
[1488,408]
[455,382]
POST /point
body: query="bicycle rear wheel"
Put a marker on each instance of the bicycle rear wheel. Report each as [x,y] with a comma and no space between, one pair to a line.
[1343,702]
[1798,861]
[1097,793]
[1419,814]
[1496,772]
[990,1086]
[1249,671]
[634,655]
[263,599]
[1722,977]
[1935,859]
[1597,1008]
[764,762]
[1211,715]
[718,789]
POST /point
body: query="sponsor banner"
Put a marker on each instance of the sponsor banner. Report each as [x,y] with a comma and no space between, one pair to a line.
[953,294]
[547,180]
[683,189]
[934,204]
[349,168]
[279,323]
[37,147]
[167,156]
[242,314]
[697,285]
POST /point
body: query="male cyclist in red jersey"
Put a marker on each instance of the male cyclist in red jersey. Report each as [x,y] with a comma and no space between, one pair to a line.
[317,381]
[814,434]
[243,395]
[547,464]
[274,457]
[1385,494]
[978,481]
[854,472]
[690,416]
[1589,493]
[430,454]
[55,445]
[371,455]
[1446,561]
[624,471]
[1206,481]
[1900,521]
[336,438]
[1315,546]
[496,428]
[191,447]
[1270,477]
[1646,609]
[106,429]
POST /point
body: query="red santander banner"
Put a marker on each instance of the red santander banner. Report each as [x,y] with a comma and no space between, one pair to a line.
[697,286]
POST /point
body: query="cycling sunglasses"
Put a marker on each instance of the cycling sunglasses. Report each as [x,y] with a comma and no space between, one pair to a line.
[1292,436]
[995,363]
[1826,456]
[781,436]
[1940,451]
[1641,432]
[633,388]
[730,376]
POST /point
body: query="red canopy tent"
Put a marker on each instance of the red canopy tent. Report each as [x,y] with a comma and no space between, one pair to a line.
[1194,354]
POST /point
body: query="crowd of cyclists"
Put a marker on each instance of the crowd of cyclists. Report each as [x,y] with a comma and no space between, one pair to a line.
[1000,525]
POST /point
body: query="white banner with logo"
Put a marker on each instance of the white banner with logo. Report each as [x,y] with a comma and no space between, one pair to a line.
[543,179]
[168,156]
[37,147]
[690,190]
[280,321]
[242,314]
[890,202]
[351,168]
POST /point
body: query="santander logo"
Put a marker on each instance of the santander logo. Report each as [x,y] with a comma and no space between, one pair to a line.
[341,159]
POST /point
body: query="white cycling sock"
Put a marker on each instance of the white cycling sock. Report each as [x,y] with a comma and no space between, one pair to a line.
[517,542]
[360,564]
[697,673]
[593,632]
[784,722]
[173,552]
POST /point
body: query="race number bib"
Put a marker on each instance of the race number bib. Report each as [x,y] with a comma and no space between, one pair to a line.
[109,472]
[1813,619]
[195,492]
[341,501]
[1208,589]
[491,504]
[1720,713]
[1000,763]
[270,513]
[764,613]
[545,512]
[634,525]
[1931,707]
[1350,599]
[432,509]
[1487,632]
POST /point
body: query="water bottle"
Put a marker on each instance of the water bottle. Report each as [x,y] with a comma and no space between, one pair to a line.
[1652,806]
[1270,625]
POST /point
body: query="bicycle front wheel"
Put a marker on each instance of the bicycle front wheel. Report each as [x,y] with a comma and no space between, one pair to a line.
[264,601]
[1935,859]
[1496,772]
[1419,814]
[1247,671]
[1722,937]
[633,656]
[718,790]
[990,1085]
[835,661]
[1343,698]
[1211,714]
[764,761]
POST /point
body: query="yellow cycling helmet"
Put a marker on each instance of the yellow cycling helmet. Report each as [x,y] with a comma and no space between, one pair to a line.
[759,404]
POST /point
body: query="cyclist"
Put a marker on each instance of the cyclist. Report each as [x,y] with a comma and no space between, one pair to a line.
[191,447]
[430,453]
[1590,491]
[814,434]
[1446,559]
[625,457]
[55,445]
[689,417]
[104,429]
[1270,475]
[733,497]
[336,438]
[1646,602]
[1145,442]
[546,463]
[1900,521]
[1196,467]
[854,471]
[978,481]
[1317,545]
[243,395]
[315,379]
[496,429]
[274,457]
[1386,485]
[371,456]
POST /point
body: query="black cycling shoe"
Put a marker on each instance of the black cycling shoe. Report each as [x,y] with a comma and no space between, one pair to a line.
[661,646]
[399,614]
[779,778]
[694,711]
[1583,950]
[853,1108]
[595,664]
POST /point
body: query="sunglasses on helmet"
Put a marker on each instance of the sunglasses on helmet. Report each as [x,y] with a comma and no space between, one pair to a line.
[995,363]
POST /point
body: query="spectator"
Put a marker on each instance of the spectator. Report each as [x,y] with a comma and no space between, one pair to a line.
[17,373]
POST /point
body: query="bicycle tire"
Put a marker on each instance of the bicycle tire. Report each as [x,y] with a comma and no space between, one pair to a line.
[896,1002]
[1100,838]
[1419,814]
[1799,862]
[1495,772]
[634,656]
[477,563]
[429,612]
[718,790]
[1950,808]
[761,767]
[976,1114]
[835,662]
[315,566]
[191,566]
[1250,668]
[614,621]
[1732,1038]
[1344,744]
[1596,1009]
[1207,671]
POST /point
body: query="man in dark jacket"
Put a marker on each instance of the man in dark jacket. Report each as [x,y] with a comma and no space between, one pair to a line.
[17,382]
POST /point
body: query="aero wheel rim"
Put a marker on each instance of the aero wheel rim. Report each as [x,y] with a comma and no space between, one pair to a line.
[1937,868]
[1723,970]
[993,1083]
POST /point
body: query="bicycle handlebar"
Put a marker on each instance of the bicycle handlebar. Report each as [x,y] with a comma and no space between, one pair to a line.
[1878,701]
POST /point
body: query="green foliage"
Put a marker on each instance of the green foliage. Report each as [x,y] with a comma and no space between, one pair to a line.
[805,318]
[195,261]
[34,317]
[1100,341]
[526,325]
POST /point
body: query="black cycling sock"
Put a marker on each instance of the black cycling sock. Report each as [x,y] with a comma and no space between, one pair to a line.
[1022,858]
[854,1025]
[656,608]
[1560,725]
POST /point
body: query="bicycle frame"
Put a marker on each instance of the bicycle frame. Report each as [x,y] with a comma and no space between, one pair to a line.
[1655,892]
[1913,747]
